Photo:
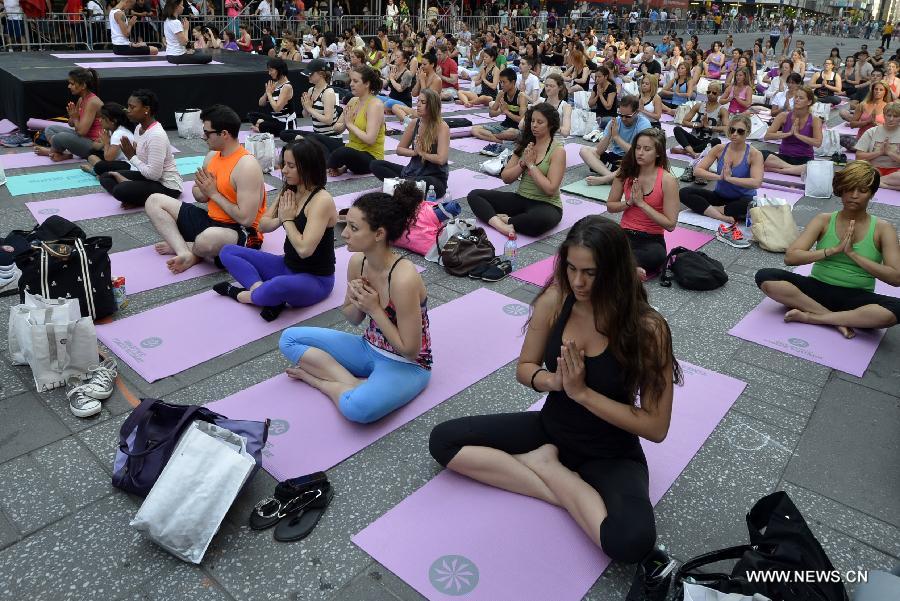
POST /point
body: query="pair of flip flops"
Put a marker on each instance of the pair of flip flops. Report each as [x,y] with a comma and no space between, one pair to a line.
[492,271]
[293,510]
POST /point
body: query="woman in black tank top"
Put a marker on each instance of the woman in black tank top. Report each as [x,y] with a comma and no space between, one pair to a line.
[306,212]
[593,347]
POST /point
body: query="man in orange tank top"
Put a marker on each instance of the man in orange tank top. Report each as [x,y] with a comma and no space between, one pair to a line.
[230,183]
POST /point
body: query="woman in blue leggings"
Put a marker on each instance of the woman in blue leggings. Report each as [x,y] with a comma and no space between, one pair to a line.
[369,376]
[305,274]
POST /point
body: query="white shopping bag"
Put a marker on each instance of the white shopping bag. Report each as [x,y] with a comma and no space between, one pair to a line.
[453,227]
[52,338]
[818,179]
[696,592]
[831,143]
[392,182]
[193,493]
[821,110]
[189,124]
[262,146]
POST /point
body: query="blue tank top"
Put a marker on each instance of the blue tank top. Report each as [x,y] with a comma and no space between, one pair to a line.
[742,169]
[682,88]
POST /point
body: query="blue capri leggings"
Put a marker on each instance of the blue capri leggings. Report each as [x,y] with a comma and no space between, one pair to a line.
[280,284]
[390,383]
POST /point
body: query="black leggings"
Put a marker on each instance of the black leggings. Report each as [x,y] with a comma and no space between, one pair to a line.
[269,124]
[649,250]
[329,143]
[629,531]
[528,216]
[135,191]
[132,50]
[699,199]
[833,298]
[357,161]
[195,58]
[105,166]
[696,143]
[385,169]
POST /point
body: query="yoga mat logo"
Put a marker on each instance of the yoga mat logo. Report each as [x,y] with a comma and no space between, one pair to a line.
[50,211]
[571,200]
[453,575]
[798,342]
[152,342]
[515,309]
[277,427]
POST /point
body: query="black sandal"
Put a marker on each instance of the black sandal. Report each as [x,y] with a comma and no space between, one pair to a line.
[288,498]
[303,520]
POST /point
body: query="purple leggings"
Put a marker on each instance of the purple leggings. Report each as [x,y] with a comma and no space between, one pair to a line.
[280,284]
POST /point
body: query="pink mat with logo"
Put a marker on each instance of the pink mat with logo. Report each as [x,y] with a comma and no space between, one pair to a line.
[308,434]
[457,538]
[21,160]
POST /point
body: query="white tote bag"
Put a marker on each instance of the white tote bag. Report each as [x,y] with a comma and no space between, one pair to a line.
[392,182]
[193,493]
[758,128]
[821,110]
[582,122]
[818,179]
[53,339]
[831,143]
[630,88]
[703,85]
[682,110]
[189,124]
[697,592]
[262,146]
[580,100]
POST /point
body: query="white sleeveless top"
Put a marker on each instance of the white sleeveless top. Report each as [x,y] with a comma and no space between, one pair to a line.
[115,31]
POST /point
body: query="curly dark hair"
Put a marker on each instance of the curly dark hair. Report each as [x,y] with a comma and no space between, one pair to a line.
[371,77]
[526,137]
[395,213]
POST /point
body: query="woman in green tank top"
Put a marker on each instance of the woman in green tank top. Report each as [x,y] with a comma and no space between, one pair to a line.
[852,250]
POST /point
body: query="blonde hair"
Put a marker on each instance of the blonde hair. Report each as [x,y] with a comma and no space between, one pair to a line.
[653,78]
[892,107]
[428,127]
[742,118]
[857,175]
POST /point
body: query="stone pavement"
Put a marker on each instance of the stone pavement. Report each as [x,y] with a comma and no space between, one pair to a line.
[829,439]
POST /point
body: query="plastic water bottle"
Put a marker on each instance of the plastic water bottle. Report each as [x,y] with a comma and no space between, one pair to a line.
[511,250]
[2,176]
[430,196]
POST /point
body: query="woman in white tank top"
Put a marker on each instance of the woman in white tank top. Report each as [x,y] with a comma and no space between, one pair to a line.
[120,28]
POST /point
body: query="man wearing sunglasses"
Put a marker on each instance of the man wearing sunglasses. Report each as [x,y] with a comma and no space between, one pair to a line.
[616,140]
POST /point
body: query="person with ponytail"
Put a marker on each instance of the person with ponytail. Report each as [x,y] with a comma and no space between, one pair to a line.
[120,31]
[108,155]
[305,274]
[364,119]
[595,346]
[80,136]
[175,31]
[369,376]
[427,142]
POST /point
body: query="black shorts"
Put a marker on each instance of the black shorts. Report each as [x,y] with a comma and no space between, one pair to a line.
[787,159]
[833,298]
[611,160]
[193,221]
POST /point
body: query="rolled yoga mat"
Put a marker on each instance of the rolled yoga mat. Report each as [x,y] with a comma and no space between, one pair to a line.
[708,223]
[538,273]
[157,343]
[824,345]
[21,160]
[71,179]
[308,433]
[582,188]
[457,538]
[7,127]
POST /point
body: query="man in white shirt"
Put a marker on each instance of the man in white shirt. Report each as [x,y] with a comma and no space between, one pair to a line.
[15,24]
[527,81]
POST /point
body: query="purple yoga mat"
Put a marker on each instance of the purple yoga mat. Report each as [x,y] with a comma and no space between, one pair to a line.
[7,126]
[573,156]
[157,343]
[824,345]
[88,206]
[538,273]
[21,160]
[887,197]
[144,269]
[308,434]
[574,208]
[131,64]
[456,537]
[162,54]
[470,145]
[40,124]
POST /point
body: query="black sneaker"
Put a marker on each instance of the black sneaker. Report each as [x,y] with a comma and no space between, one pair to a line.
[479,269]
[652,578]
[688,175]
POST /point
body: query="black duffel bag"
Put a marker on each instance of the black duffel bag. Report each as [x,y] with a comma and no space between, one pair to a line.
[781,544]
[693,270]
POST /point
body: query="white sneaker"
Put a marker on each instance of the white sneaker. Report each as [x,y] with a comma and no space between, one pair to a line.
[11,286]
[80,404]
[593,136]
[103,380]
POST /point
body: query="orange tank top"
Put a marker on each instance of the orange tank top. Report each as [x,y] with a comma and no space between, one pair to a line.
[221,167]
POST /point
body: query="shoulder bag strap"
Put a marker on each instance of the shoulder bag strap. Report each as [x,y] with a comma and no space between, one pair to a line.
[690,567]
[86,278]
[665,278]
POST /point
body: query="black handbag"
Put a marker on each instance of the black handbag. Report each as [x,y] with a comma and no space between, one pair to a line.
[780,543]
[457,122]
[70,268]
[693,270]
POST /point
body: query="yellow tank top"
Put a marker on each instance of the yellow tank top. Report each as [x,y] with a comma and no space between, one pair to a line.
[361,121]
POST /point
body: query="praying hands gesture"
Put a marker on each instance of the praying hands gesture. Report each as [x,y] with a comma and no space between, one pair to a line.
[613,128]
[846,244]
[127,148]
[306,101]
[636,196]
[363,296]
[287,206]
[104,138]
[529,157]
[270,88]
[570,366]
[351,111]
[206,182]
[726,170]
[72,111]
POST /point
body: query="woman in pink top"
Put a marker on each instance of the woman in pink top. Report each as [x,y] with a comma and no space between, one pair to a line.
[81,136]
[233,9]
[647,195]
[739,95]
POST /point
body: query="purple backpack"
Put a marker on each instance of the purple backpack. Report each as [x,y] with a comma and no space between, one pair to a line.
[149,435]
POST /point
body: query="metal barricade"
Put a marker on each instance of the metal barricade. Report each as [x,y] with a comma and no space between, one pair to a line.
[55,31]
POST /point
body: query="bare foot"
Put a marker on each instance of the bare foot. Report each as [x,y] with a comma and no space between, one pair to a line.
[597,180]
[503,217]
[163,248]
[42,151]
[336,172]
[181,263]
[541,456]
[56,157]
[87,168]
[795,315]
[334,390]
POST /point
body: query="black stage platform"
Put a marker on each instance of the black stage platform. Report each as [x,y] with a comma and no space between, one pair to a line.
[33,84]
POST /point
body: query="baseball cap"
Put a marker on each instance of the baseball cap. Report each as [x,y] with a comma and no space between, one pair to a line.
[316,64]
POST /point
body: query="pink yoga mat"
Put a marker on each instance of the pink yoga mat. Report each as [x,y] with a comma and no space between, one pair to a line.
[574,208]
[174,337]
[40,124]
[20,160]
[538,273]
[455,537]
[463,181]
[887,197]
[162,54]
[470,145]
[824,345]
[145,269]
[573,156]
[308,434]
[132,64]
[7,126]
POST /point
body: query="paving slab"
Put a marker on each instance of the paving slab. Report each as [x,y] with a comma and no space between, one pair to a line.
[74,472]
[27,498]
[26,424]
[883,373]
[182,581]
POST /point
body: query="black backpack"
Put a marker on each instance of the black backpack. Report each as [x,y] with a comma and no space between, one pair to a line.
[693,270]
[780,543]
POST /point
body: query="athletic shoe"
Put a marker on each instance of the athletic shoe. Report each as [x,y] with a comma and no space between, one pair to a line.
[732,235]
[652,578]
[593,136]
[688,175]
[15,140]
[11,286]
[80,403]
[102,380]
[492,150]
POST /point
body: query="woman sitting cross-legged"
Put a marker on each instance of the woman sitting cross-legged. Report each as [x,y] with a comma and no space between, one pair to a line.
[647,196]
[800,133]
[370,376]
[853,249]
[305,274]
[427,141]
[739,172]
[109,156]
[80,136]
[595,345]
[540,162]
[364,119]
[707,120]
